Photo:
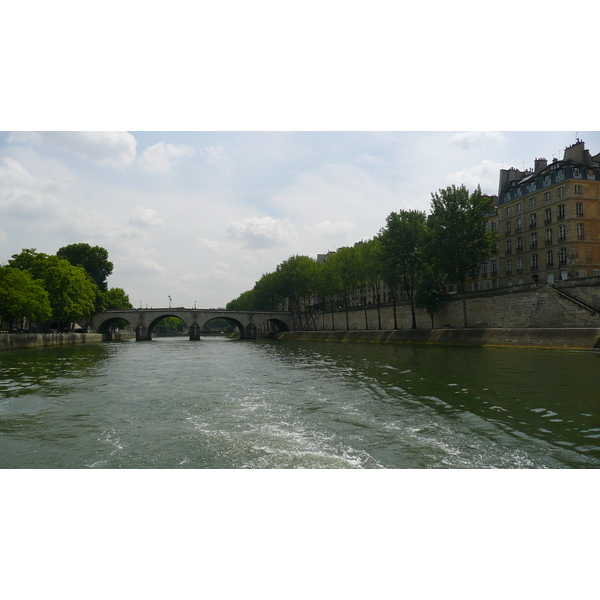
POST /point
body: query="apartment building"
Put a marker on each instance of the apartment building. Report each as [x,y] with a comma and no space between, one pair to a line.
[548,219]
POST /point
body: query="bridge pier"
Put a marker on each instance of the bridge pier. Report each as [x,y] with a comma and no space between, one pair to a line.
[250,332]
[194,331]
[141,333]
[107,335]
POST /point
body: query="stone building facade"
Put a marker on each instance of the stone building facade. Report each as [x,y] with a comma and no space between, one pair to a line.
[548,219]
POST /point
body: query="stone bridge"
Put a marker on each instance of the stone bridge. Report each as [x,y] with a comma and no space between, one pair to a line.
[143,321]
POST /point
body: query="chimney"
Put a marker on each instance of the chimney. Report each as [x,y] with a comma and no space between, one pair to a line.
[540,165]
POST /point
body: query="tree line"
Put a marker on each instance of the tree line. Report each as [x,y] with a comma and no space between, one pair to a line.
[414,254]
[42,288]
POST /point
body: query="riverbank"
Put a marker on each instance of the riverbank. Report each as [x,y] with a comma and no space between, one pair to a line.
[543,338]
[19,341]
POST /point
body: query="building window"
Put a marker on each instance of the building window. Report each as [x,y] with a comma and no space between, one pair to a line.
[532,202]
[519,192]
[560,175]
[519,244]
[582,272]
[534,262]
[508,211]
[561,211]
[519,226]
[519,207]
[519,265]
[509,266]
[507,196]
[494,225]
[576,173]
[561,191]
[547,196]
[562,255]
[547,180]
[548,216]
[532,187]
[494,266]
[562,233]
[532,221]
[579,209]
[578,189]
[533,240]
[580,232]
[508,246]
[508,228]
[549,258]
[548,236]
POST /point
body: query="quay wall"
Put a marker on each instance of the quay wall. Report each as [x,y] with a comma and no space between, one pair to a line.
[523,306]
[17,341]
[542,338]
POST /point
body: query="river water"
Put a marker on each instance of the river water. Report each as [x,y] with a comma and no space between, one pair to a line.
[222,403]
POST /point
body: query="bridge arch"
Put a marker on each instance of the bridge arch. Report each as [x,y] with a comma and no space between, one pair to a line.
[105,327]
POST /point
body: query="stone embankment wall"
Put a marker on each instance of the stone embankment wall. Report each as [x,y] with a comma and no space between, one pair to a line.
[528,306]
[10,341]
[555,339]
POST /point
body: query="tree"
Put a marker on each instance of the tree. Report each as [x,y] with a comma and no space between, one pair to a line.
[114,299]
[460,241]
[71,291]
[94,259]
[402,242]
[429,292]
[296,282]
[345,275]
[22,297]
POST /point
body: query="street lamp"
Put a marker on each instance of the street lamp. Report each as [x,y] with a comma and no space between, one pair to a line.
[169,301]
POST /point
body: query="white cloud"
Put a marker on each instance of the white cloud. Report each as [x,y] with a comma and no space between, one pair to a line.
[214,155]
[476,139]
[161,157]
[484,174]
[205,243]
[261,233]
[145,217]
[113,148]
[327,228]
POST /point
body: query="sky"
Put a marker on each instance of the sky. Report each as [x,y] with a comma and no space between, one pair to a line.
[200,216]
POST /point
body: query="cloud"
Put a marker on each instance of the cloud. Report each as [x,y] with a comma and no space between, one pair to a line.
[327,228]
[145,217]
[484,174]
[261,233]
[214,155]
[161,157]
[113,148]
[475,139]
[205,243]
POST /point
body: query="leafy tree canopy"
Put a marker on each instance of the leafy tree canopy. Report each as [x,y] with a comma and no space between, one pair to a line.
[94,259]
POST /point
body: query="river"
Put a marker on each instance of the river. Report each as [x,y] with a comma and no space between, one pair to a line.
[230,404]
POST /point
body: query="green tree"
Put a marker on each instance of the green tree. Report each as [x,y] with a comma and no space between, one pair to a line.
[114,299]
[296,282]
[402,241]
[429,293]
[22,297]
[345,276]
[71,291]
[460,241]
[94,259]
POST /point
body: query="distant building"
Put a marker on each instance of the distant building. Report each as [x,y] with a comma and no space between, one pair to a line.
[548,219]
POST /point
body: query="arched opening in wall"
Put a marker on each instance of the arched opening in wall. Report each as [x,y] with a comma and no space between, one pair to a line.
[220,327]
[111,326]
[277,325]
[233,327]
[167,326]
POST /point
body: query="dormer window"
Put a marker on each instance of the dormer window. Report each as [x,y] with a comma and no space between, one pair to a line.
[547,180]
[560,175]
[576,173]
